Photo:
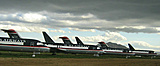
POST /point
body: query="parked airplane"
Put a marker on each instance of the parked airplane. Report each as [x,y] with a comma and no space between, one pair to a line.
[69,47]
[109,50]
[115,51]
[142,52]
[16,43]
[51,44]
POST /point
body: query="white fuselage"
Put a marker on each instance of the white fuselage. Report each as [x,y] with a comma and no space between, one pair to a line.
[76,49]
[117,52]
[14,45]
[143,53]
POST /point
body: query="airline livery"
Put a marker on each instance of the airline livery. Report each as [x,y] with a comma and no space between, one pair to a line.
[115,51]
[69,47]
[142,52]
[15,43]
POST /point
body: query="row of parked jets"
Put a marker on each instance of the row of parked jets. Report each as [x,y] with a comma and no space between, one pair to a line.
[15,43]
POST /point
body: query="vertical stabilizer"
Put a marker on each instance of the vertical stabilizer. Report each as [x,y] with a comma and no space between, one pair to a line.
[47,38]
[79,42]
[12,33]
[130,47]
[66,40]
[103,45]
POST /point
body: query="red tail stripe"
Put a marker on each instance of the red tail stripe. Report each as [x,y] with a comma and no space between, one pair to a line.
[64,37]
[102,42]
[12,31]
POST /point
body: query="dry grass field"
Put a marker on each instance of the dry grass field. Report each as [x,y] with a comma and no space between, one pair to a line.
[61,59]
[77,62]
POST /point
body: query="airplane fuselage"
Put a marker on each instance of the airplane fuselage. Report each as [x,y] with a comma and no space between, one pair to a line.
[77,50]
[117,52]
[144,53]
[24,45]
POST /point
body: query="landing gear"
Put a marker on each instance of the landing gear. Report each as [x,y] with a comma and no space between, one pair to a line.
[153,57]
[54,53]
[127,57]
[97,55]
[34,54]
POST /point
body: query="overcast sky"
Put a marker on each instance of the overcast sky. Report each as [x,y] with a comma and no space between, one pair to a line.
[93,20]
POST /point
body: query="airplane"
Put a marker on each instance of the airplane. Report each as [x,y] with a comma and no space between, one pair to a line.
[142,52]
[115,51]
[51,44]
[15,43]
[109,50]
[69,47]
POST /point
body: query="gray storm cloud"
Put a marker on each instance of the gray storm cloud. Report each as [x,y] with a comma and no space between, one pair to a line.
[104,15]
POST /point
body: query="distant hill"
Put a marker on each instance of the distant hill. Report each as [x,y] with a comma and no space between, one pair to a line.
[115,45]
[158,53]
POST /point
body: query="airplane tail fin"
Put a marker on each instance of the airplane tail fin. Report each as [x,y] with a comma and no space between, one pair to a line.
[79,42]
[47,38]
[103,45]
[12,33]
[66,40]
[130,47]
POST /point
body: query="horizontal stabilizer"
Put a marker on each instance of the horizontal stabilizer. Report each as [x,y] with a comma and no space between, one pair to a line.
[66,40]
[12,33]
[9,31]
[103,44]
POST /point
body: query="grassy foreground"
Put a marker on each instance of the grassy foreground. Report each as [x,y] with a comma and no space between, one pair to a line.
[25,59]
[77,62]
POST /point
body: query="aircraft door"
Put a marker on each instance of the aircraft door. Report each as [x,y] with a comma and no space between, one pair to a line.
[32,43]
[125,50]
[92,47]
[151,51]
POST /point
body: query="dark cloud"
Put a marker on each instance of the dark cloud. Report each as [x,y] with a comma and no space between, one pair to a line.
[105,15]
